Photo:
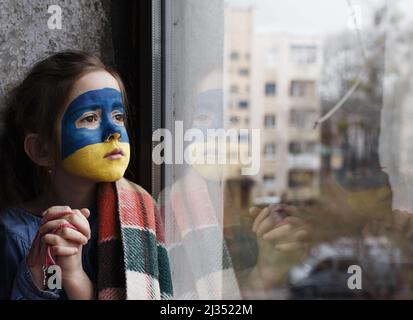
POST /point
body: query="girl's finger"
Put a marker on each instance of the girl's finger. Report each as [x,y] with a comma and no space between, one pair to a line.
[73,236]
[48,227]
[261,216]
[266,225]
[78,222]
[85,212]
[294,221]
[254,211]
[55,212]
[56,240]
[279,233]
[64,251]
[53,240]
[291,246]
[82,214]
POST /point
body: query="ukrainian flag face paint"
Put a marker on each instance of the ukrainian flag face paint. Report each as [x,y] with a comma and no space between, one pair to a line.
[95,144]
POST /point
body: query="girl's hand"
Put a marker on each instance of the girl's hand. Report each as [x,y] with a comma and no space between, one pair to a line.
[282,241]
[66,244]
[280,226]
[56,216]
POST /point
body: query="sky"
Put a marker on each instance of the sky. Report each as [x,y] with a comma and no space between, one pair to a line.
[315,17]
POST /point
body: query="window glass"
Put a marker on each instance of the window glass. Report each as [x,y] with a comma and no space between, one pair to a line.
[270,89]
[339,163]
[270,121]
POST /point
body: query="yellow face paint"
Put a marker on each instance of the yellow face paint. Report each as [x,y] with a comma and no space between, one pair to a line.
[90,162]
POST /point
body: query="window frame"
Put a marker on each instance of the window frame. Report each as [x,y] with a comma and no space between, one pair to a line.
[138,41]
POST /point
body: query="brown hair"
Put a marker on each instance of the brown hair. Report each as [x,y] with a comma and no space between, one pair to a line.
[31,107]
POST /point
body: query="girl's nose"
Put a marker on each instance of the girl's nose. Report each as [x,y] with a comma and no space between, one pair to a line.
[113,137]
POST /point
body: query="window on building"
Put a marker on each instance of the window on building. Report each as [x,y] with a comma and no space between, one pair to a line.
[303,119]
[270,121]
[244,72]
[269,151]
[243,104]
[234,55]
[270,89]
[302,89]
[234,88]
[269,181]
[304,54]
[301,178]
[234,120]
[301,147]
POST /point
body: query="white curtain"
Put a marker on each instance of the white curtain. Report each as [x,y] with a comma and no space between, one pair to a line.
[193,199]
[396,136]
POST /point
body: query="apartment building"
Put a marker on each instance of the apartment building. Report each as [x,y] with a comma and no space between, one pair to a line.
[271,84]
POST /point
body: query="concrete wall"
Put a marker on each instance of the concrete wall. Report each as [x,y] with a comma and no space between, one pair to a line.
[26,38]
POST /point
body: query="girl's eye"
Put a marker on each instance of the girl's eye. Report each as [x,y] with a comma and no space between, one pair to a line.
[120,117]
[90,119]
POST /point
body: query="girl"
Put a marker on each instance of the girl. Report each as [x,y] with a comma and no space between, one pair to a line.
[65,149]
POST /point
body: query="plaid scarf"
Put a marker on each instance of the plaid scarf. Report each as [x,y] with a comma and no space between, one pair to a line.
[133,263]
[198,253]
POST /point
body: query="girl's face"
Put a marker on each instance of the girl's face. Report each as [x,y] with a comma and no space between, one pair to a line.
[94,140]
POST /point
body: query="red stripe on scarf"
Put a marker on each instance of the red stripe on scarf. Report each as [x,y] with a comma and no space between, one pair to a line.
[108,225]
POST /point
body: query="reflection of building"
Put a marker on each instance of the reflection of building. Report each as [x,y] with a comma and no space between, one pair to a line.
[238,37]
[272,84]
[286,105]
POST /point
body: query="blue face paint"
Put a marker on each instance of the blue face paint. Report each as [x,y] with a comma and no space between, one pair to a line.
[106,101]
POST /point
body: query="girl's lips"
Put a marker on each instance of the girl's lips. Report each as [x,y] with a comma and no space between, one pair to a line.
[114,155]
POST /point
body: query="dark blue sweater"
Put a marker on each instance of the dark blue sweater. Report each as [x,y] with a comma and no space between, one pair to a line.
[18,229]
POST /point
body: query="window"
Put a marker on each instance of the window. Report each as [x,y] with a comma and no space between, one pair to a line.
[301,178]
[295,78]
[244,72]
[234,55]
[270,89]
[234,120]
[234,88]
[304,147]
[302,88]
[303,54]
[269,181]
[243,104]
[303,119]
[269,151]
[269,121]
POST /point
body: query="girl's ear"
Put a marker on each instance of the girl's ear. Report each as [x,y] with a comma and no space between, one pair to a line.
[37,150]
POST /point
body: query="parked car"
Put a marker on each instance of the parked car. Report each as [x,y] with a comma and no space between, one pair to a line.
[324,274]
